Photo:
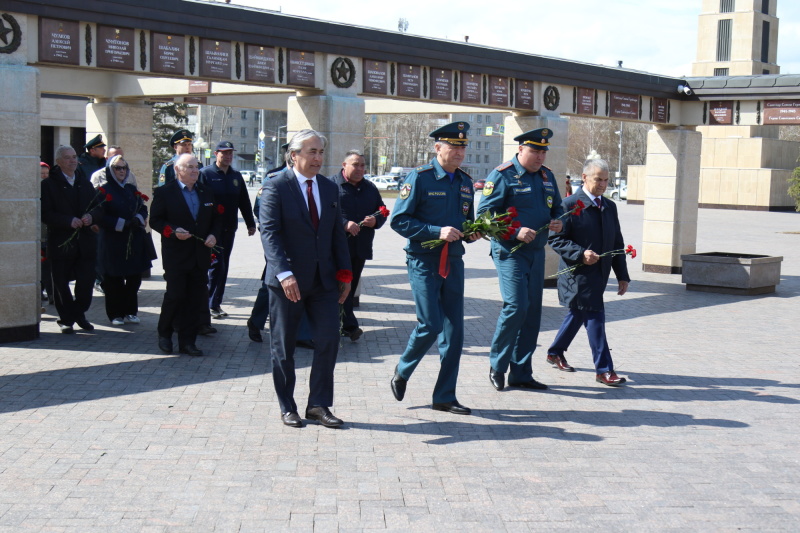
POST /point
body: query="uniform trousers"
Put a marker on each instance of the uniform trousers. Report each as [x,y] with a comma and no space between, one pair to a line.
[121,295]
[521,278]
[595,323]
[440,315]
[184,305]
[322,307]
[218,272]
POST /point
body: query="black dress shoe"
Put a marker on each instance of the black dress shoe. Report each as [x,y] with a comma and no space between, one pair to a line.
[165,344]
[532,384]
[497,379]
[190,349]
[206,330]
[324,416]
[292,419]
[560,362]
[305,344]
[398,386]
[356,334]
[452,407]
[66,328]
[253,332]
[84,324]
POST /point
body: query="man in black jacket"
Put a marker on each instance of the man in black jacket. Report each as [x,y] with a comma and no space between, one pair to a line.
[360,201]
[69,206]
[94,158]
[185,214]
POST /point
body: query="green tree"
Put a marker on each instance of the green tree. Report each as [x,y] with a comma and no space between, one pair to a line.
[167,117]
[794,187]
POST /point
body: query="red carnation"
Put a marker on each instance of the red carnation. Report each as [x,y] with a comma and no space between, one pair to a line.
[507,235]
[344,276]
[220,209]
[145,198]
[579,206]
[109,198]
[633,254]
[101,190]
[138,193]
[512,211]
[515,225]
[167,232]
[213,257]
[384,212]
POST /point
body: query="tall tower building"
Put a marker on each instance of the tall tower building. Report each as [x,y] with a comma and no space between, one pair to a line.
[737,38]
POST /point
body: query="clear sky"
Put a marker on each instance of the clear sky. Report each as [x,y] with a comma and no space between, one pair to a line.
[654,36]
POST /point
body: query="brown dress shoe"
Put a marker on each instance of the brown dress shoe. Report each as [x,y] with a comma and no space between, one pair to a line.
[560,362]
[610,378]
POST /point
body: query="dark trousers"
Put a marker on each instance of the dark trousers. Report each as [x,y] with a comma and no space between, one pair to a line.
[184,306]
[218,273]
[595,323]
[284,321]
[260,313]
[47,277]
[349,321]
[72,308]
[122,295]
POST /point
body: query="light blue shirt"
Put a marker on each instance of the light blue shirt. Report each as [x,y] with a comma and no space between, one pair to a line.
[192,199]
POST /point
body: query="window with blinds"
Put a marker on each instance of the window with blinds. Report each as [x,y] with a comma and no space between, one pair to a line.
[724,40]
[726,6]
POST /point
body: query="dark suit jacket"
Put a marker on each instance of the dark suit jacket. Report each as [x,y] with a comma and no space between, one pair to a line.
[169,208]
[60,204]
[290,242]
[592,230]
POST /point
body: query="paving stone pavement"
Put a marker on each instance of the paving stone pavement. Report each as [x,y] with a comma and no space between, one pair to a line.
[102,432]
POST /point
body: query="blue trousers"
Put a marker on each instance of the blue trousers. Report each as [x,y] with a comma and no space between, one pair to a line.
[322,307]
[218,272]
[260,313]
[440,315]
[521,278]
[595,323]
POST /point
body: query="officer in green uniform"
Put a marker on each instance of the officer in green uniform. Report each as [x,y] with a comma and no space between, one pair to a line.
[182,142]
[529,186]
[94,158]
[434,201]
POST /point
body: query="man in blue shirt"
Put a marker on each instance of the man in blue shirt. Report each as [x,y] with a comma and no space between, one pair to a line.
[230,192]
[530,187]
[434,202]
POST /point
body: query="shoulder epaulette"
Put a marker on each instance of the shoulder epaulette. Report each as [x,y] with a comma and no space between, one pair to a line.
[504,165]
[427,166]
[547,169]
[169,162]
[464,172]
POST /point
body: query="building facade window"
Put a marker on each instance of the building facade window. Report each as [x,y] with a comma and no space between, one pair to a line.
[244,114]
[765,41]
[765,7]
[257,115]
[726,6]
[724,40]
[720,72]
[244,132]
[486,159]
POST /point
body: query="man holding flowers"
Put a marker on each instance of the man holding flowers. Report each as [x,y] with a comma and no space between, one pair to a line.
[435,201]
[528,187]
[590,246]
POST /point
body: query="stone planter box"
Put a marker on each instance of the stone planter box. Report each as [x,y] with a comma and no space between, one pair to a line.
[730,273]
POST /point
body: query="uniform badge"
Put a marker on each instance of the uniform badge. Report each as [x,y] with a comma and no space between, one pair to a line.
[405,191]
[488,188]
[465,208]
[519,179]
[235,182]
[550,201]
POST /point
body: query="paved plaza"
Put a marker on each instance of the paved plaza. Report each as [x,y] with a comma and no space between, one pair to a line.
[102,432]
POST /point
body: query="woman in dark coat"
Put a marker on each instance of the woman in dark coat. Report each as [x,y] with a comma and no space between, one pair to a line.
[124,249]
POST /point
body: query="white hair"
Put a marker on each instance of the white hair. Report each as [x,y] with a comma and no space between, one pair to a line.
[296,144]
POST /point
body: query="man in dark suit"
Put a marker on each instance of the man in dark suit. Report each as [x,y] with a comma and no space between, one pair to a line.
[581,243]
[308,269]
[69,206]
[185,215]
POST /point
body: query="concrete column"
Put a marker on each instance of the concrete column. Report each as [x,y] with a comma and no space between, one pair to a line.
[129,125]
[556,161]
[20,233]
[339,118]
[671,198]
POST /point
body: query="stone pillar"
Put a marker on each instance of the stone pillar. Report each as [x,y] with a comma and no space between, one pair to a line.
[20,234]
[339,118]
[671,198]
[129,125]
[556,161]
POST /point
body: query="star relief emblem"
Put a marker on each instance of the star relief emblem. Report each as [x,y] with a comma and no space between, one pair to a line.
[9,25]
[342,72]
[4,32]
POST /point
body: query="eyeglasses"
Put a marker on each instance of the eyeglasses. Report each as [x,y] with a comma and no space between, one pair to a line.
[115,167]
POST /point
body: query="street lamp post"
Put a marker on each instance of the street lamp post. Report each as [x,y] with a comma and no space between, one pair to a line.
[619,165]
